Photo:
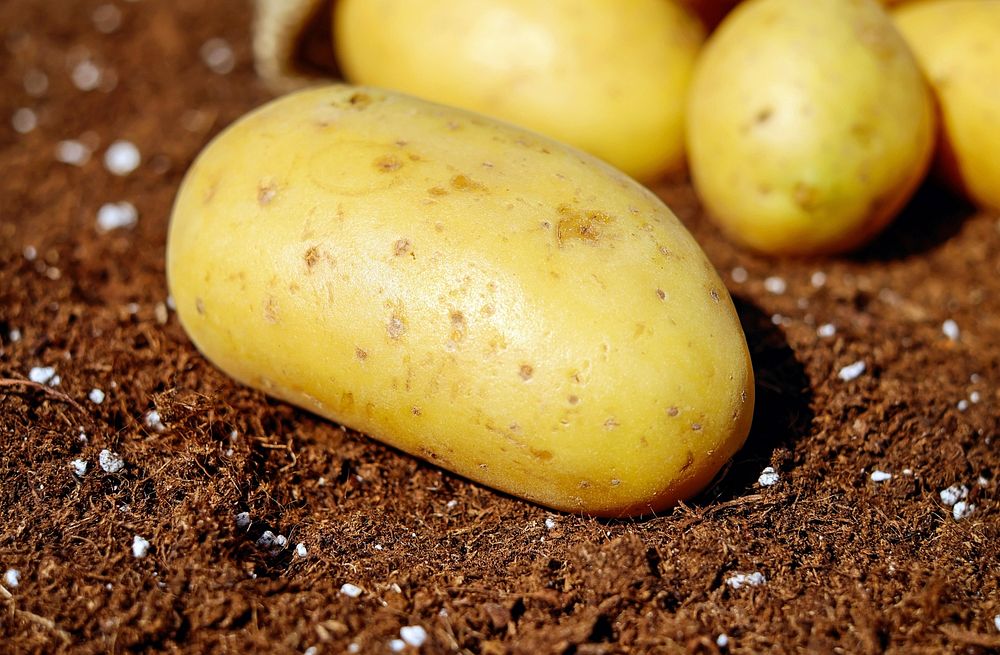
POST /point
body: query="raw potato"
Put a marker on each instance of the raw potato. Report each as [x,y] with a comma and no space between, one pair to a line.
[606,76]
[958,45]
[809,124]
[497,303]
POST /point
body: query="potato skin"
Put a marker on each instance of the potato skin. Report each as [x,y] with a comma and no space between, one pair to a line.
[606,76]
[482,297]
[809,124]
[957,43]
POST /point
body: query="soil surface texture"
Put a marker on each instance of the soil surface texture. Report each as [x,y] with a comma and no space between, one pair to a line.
[222,521]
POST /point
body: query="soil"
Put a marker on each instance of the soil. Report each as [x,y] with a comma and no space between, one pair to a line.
[846,563]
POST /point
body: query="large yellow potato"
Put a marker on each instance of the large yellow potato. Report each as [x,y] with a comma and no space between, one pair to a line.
[809,124]
[958,45]
[606,76]
[474,294]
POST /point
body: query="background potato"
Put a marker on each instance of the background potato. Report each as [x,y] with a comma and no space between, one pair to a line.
[606,76]
[809,124]
[474,294]
[958,45]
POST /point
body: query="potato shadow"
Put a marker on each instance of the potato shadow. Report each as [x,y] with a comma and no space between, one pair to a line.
[933,215]
[782,410]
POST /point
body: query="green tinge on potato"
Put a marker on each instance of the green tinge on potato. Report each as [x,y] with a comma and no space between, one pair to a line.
[480,296]
[809,124]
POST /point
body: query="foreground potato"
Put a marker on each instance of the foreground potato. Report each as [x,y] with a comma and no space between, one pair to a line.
[809,124]
[606,76]
[958,45]
[474,294]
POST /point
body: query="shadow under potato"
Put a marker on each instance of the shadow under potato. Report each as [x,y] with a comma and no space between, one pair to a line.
[933,215]
[782,410]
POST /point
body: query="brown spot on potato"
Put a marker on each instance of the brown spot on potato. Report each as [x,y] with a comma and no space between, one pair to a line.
[401,247]
[714,294]
[543,455]
[388,163]
[396,327]
[611,423]
[696,427]
[199,306]
[763,115]
[588,226]
[311,257]
[361,354]
[806,196]
[466,183]
[359,100]
[526,372]
[458,326]
[673,411]
[415,411]
[573,400]
[689,462]
[271,310]
[437,191]
[660,294]
[266,191]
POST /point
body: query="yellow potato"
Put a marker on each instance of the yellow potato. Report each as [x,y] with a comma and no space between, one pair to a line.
[958,45]
[809,124]
[474,294]
[606,76]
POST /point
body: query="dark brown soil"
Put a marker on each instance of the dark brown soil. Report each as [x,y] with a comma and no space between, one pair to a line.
[851,565]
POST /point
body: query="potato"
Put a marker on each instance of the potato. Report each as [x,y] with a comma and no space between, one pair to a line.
[809,124]
[474,294]
[957,43]
[605,76]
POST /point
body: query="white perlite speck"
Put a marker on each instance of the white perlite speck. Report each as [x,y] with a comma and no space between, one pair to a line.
[114,215]
[768,477]
[86,75]
[350,590]
[738,580]
[852,371]
[414,635]
[122,157]
[243,520]
[44,375]
[107,18]
[880,476]
[266,540]
[962,510]
[962,405]
[996,621]
[110,462]
[281,541]
[79,466]
[818,279]
[975,397]
[36,83]
[953,494]
[950,329]
[24,120]
[218,56]
[775,285]
[397,645]
[826,330]
[140,546]
[739,275]
[96,396]
[550,524]
[722,640]
[12,578]
[310,651]
[300,550]
[72,152]
[154,423]
[14,335]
